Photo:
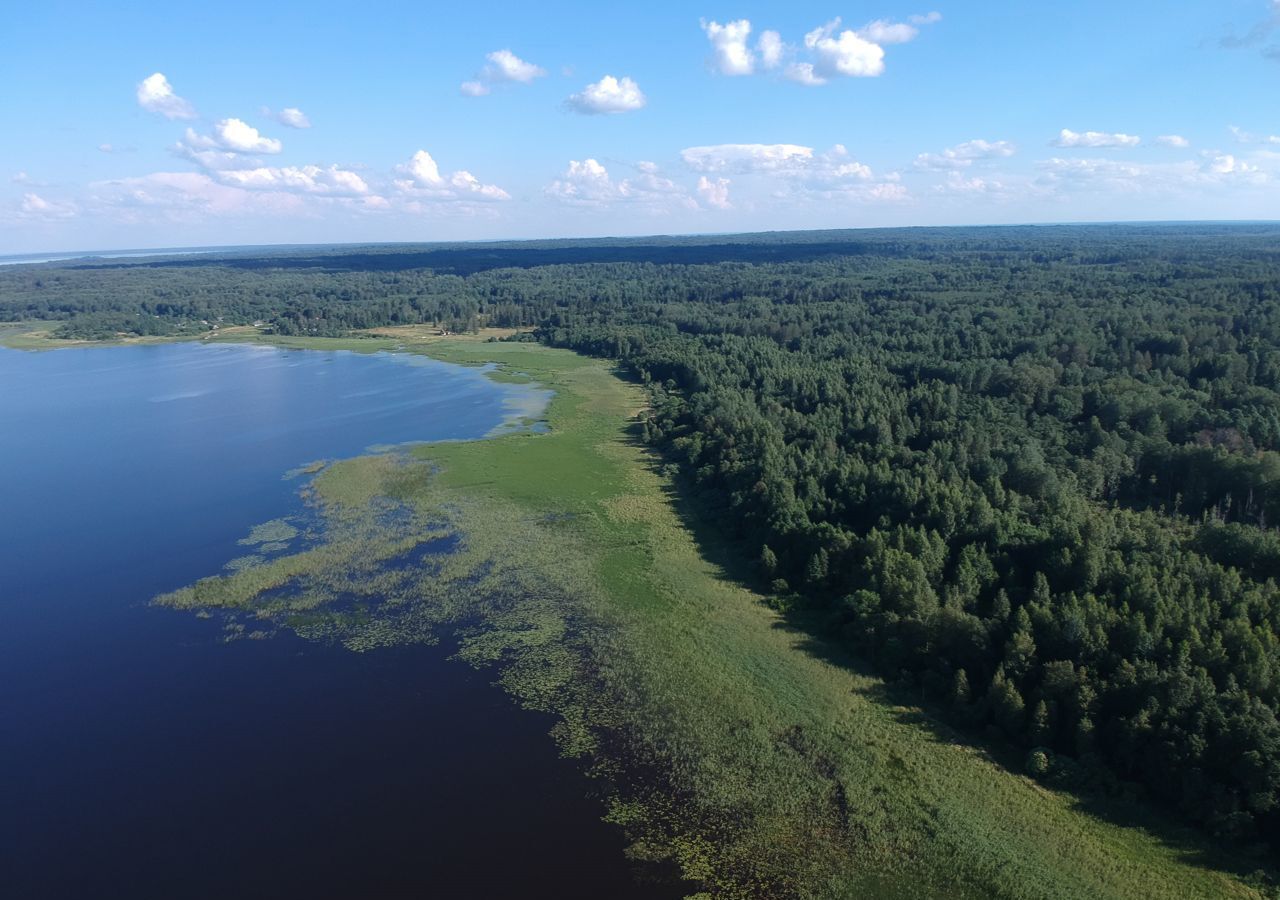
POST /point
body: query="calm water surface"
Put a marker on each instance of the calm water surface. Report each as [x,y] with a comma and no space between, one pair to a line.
[140,757]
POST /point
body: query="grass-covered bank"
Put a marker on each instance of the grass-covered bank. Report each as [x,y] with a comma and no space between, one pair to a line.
[736,747]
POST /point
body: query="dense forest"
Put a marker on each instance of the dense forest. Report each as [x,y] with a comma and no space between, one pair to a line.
[1032,474]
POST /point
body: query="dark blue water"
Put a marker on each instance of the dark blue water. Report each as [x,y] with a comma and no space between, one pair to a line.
[142,757]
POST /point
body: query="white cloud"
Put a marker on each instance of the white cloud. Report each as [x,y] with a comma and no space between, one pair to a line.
[1095,139]
[501,67]
[835,165]
[426,180]
[506,66]
[156,95]
[292,117]
[803,73]
[962,155]
[588,184]
[237,136]
[746,157]
[1246,137]
[1226,164]
[828,174]
[790,173]
[846,53]
[36,207]
[224,148]
[827,52]
[467,185]
[957,183]
[771,47]
[1094,171]
[184,197]
[205,152]
[330,181]
[882,31]
[714,193]
[887,192]
[425,171]
[608,95]
[1112,176]
[194,197]
[20,178]
[729,46]
[586,181]
[1173,140]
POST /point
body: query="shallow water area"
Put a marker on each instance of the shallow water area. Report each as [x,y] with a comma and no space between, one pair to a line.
[145,757]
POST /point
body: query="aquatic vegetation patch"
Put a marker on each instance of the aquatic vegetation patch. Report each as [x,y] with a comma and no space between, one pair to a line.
[306,469]
[274,532]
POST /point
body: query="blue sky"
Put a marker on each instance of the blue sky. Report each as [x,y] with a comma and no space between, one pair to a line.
[137,125]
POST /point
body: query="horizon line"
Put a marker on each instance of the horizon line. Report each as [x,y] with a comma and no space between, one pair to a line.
[35,258]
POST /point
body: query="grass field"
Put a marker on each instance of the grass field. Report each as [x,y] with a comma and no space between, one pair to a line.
[758,760]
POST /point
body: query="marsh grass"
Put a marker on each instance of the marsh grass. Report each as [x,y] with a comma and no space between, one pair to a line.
[726,741]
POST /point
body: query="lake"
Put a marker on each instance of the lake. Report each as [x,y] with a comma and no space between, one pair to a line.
[145,757]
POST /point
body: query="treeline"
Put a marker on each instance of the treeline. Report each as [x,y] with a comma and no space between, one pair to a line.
[1030,473]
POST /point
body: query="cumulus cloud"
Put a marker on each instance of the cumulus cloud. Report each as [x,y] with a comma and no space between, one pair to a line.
[827,52]
[1095,139]
[1227,164]
[882,31]
[771,48]
[746,157]
[730,53]
[957,183]
[330,181]
[1173,140]
[1108,175]
[156,95]
[226,147]
[587,183]
[843,53]
[240,137]
[784,160]
[794,171]
[201,150]
[183,197]
[290,117]
[608,95]
[501,67]
[191,197]
[424,179]
[34,206]
[804,73]
[714,193]
[586,180]
[506,66]
[963,155]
